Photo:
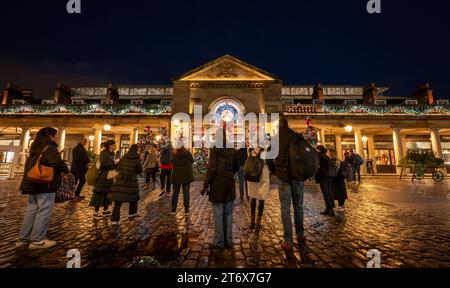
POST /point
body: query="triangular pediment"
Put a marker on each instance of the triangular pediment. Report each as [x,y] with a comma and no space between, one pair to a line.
[227,68]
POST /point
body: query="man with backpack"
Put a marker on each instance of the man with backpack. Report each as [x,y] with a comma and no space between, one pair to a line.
[295,163]
[357,161]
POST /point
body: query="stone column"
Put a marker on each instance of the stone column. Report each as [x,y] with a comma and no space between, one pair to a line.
[398,147]
[61,138]
[339,147]
[134,136]
[436,142]
[371,149]
[322,136]
[117,139]
[360,148]
[97,140]
[24,141]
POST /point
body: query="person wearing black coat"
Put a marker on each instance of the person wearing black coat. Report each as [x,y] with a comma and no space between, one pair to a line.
[80,161]
[126,186]
[41,197]
[241,155]
[103,184]
[324,181]
[182,177]
[222,165]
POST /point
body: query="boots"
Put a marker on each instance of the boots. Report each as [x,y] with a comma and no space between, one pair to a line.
[258,223]
[252,222]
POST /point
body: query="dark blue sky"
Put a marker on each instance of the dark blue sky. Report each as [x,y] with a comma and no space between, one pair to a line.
[150,42]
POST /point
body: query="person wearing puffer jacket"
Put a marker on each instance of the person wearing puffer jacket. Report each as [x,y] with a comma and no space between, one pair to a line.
[126,187]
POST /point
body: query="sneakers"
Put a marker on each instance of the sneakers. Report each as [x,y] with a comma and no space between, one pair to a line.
[42,244]
[340,209]
[21,243]
[114,223]
[133,215]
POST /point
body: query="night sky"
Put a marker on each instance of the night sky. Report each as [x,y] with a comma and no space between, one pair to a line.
[151,42]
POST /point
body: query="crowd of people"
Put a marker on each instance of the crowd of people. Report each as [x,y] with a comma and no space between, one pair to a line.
[116,181]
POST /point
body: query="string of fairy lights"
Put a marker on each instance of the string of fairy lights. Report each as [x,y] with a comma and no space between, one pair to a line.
[157,109]
[119,109]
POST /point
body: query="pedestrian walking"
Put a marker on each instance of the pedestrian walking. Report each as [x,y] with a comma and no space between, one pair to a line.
[222,165]
[166,165]
[151,167]
[182,177]
[40,189]
[324,181]
[80,161]
[125,188]
[241,155]
[103,184]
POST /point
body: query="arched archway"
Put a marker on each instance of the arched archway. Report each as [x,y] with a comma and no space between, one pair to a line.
[226,108]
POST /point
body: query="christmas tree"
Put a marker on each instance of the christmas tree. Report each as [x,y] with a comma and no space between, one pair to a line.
[310,134]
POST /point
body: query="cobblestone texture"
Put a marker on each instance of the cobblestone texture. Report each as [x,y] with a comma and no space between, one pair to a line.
[409,223]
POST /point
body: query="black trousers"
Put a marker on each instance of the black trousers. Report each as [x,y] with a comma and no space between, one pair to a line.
[81,180]
[116,210]
[151,174]
[165,178]
[260,207]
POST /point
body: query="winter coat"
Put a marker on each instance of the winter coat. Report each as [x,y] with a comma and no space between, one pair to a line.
[151,161]
[260,190]
[126,186]
[103,185]
[281,162]
[166,156]
[324,167]
[222,165]
[241,155]
[51,158]
[80,160]
[182,168]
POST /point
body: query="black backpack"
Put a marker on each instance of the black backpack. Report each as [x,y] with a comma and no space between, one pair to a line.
[303,159]
[253,168]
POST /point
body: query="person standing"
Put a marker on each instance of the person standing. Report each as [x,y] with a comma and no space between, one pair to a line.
[258,191]
[289,190]
[41,197]
[357,162]
[339,186]
[166,160]
[126,188]
[182,177]
[80,161]
[241,155]
[348,163]
[324,181]
[151,167]
[103,184]
[222,165]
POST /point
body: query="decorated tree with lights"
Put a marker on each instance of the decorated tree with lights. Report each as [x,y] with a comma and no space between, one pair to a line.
[310,134]
[201,156]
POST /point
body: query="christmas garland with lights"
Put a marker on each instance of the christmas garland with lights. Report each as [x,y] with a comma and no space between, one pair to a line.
[377,110]
[119,109]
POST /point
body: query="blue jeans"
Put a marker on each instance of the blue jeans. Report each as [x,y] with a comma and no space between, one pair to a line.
[242,182]
[357,169]
[176,192]
[35,223]
[223,223]
[291,192]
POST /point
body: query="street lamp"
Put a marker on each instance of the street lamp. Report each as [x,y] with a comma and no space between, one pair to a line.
[348,128]
[107,127]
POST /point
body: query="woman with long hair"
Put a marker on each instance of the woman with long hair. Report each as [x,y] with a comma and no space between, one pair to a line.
[41,197]
[103,184]
[151,167]
[182,177]
[222,166]
[126,188]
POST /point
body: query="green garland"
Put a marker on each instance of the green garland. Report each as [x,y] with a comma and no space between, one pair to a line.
[386,109]
[120,109]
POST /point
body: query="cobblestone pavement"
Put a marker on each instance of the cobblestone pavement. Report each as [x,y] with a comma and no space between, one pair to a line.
[409,223]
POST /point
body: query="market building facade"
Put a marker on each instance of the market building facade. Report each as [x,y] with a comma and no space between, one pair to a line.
[361,118]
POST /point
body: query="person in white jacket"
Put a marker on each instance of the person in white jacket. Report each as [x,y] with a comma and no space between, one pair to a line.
[258,191]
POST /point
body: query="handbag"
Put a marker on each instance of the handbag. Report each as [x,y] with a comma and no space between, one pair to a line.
[92,174]
[39,173]
[66,190]
[112,174]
